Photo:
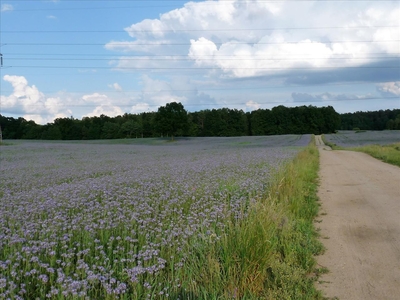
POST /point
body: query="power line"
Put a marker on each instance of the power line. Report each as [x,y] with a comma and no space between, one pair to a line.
[169,59]
[197,89]
[187,44]
[202,30]
[231,103]
[133,43]
[201,68]
[385,54]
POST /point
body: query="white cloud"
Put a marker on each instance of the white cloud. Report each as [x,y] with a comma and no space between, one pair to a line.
[158,92]
[6,7]
[106,109]
[392,88]
[140,107]
[51,17]
[115,86]
[29,101]
[103,104]
[252,105]
[227,37]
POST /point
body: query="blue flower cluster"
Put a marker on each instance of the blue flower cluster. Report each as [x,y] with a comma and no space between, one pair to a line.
[91,221]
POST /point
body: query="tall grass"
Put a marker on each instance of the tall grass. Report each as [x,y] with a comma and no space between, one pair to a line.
[269,254]
[386,153]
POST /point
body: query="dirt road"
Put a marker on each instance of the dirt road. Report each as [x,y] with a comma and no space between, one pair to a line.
[360,226]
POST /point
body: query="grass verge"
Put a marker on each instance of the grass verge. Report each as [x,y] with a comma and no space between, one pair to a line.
[332,145]
[270,254]
[386,153]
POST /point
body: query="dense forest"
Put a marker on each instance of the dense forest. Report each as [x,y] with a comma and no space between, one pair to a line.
[173,120]
[371,120]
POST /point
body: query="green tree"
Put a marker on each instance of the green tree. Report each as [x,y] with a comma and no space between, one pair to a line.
[51,132]
[172,119]
[70,128]
[110,130]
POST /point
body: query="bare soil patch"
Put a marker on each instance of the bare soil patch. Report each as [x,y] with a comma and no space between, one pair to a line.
[360,226]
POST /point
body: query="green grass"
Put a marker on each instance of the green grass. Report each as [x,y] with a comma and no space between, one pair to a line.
[386,153]
[332,145]
[270,254]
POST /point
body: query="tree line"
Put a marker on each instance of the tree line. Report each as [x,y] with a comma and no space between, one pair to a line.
[371,120]
[173,120]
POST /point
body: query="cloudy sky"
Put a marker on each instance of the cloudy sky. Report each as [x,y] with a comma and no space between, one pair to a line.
[86,57]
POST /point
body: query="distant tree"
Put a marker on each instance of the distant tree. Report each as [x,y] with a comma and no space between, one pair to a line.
[393,124]
[32,130]
[130,128]
[51,132]
[172,119]
[71,129]
[109,130]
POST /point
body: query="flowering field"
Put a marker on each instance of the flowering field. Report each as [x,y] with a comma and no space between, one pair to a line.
[125,221]
[361,138]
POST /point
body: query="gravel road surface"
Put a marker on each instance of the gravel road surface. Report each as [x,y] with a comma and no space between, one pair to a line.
[360,226]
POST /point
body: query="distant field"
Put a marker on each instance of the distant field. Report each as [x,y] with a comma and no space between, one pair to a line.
[361,138]
[105,219]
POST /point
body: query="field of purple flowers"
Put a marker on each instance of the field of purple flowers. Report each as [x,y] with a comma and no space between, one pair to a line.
[125,221]
[362,138]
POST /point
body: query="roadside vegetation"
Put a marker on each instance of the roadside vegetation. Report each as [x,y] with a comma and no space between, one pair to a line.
[270,254]
[376,144]
[330,144]
[387,153]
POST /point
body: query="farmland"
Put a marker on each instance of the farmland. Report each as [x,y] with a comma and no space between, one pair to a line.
[146,219]
[362,138]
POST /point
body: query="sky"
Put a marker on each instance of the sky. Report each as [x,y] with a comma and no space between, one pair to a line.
[86,58]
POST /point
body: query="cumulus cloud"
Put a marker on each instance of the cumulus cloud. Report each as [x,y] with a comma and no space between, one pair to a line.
[140,107]
[389,88]
[226,38]
[6,7]
[103,104]
[29,101]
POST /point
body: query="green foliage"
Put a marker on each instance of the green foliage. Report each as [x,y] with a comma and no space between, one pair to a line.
[371,120]
[295,120]
[269,254]
[386,153]
[171,119]
[51,133]
[215,122]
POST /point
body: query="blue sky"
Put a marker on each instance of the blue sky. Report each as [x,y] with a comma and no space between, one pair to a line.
[84,58]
